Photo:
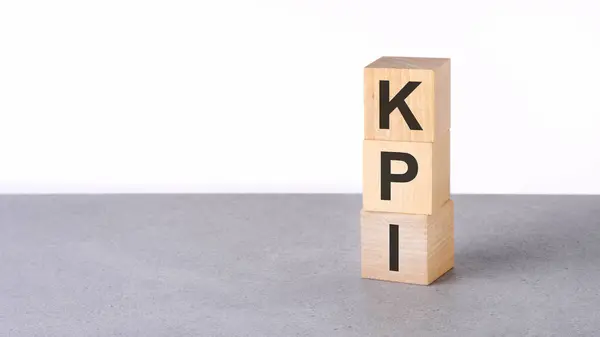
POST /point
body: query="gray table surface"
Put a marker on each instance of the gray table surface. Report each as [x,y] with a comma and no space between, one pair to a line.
[288,265]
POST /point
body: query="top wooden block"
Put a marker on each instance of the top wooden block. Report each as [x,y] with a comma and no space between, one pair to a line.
[407,99]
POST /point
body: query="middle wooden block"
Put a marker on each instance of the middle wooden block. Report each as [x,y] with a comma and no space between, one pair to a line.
[406,177]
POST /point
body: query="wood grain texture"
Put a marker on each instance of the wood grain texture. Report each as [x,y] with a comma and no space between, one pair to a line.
[429,102]
[440,242]
[440,173]
[426,245]
[422,195]
[442,93]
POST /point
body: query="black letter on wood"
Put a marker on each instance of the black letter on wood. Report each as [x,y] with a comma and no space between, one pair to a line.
[386,106]
[387,177]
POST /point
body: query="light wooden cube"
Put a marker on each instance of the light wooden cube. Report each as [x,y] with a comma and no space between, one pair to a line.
[407,248]
[421,86]
[406,177]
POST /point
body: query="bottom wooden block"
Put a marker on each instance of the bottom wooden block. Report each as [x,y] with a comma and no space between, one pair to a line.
[407,248]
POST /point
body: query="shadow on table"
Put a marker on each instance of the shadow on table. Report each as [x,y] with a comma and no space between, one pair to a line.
[527,249]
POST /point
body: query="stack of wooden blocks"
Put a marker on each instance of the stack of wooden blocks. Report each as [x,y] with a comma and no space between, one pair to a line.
[407,220]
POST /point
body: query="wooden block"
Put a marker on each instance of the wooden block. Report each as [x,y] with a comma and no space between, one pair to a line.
[406,177]
[407,248]
[412,93]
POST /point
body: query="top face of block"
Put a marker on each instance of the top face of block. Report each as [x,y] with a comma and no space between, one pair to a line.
[408,62]
[407,99]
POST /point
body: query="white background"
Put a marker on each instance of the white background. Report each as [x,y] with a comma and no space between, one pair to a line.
[266,96]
